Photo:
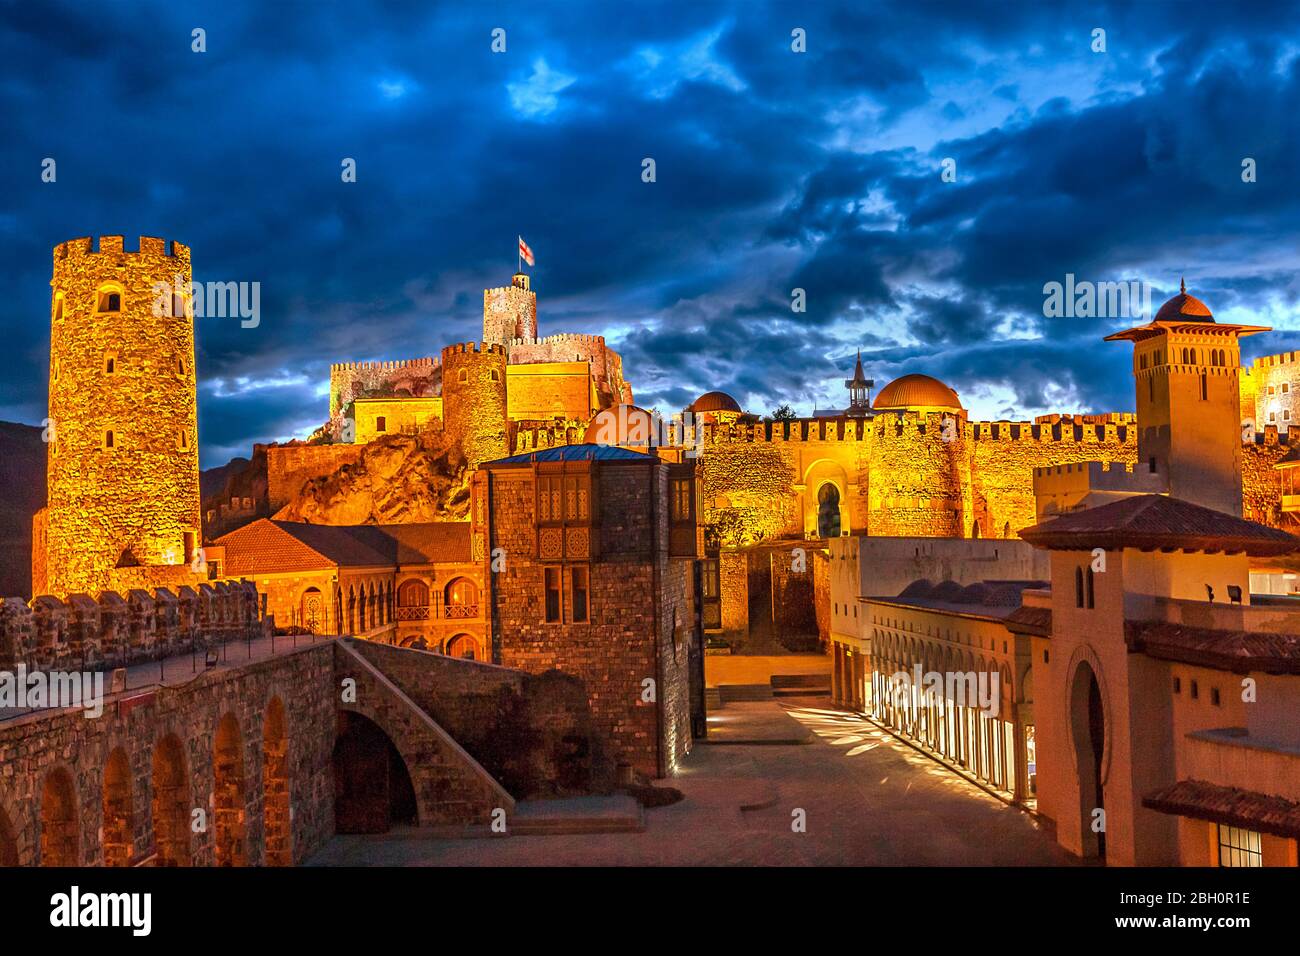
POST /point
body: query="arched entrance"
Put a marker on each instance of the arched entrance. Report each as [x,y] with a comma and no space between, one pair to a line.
[171,803]
[8,842]
[372,787]
[828,511]
[119,828]
[59,843]
[1088,730]
[465,646]
[276,826]
[228,801]
[313,610]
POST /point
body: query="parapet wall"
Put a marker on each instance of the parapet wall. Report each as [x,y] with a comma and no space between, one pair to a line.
[84,633]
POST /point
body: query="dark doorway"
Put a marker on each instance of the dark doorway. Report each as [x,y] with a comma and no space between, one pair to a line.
[1088,724]
[372,788]
[828,511]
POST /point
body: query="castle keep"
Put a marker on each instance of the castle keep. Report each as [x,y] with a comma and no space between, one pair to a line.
[123,461]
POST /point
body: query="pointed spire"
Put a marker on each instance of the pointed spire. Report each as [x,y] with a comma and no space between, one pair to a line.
[1182,284]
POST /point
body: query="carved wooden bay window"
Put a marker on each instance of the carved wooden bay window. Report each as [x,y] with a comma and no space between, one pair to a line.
[565,509]
[684,507]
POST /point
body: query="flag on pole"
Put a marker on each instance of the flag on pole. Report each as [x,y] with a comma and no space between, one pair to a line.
[524,252]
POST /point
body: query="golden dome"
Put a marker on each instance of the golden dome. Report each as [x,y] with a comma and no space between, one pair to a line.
[1184,308]
[714,402]
[916,391]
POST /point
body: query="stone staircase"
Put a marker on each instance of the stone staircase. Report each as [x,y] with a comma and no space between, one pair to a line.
[801,685]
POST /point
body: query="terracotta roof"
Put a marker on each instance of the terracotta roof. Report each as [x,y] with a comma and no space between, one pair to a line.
[267,546]
[1231,806]
[912,391]
[1214,647]
[1031,620]
[1158,521]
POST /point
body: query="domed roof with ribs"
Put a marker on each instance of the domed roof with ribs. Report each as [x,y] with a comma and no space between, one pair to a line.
[916,391]
[1184,308]
[714,402]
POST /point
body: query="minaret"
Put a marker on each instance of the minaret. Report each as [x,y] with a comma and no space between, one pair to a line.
[859,387]
[1186,368]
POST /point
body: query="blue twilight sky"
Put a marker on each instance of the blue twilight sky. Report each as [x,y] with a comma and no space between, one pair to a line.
[775,170]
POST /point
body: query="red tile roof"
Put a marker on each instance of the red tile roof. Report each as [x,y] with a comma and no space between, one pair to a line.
[1224,649]
[267,546]
[1231,806]
[1158,521]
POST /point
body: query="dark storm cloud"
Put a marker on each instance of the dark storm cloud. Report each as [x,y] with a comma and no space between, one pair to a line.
[775,171]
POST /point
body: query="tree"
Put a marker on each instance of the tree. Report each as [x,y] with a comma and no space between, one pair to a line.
[782,413]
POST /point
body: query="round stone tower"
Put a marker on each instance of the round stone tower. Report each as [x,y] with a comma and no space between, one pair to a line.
[474,400]
[122,457]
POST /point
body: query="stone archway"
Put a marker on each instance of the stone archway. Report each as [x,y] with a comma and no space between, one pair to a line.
[229,801]
[60,843]
[276,826]
[171,803]
[466,647]
[1087,721]
[119,821]
[372,785]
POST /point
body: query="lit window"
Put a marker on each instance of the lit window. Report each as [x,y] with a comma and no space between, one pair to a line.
[579,595]
[709,584]
[1238,847]
[552,595]
[681,499]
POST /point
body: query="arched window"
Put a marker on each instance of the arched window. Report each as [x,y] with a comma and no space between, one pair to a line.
[109,300]
[413,593]
[58,307]
[1078,587]
[461,598]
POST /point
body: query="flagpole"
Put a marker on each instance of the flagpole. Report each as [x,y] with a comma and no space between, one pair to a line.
[519,254]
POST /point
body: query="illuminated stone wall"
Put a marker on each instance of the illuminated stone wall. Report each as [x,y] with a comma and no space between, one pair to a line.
[1268,391]
[399,415]
[290,467]
[1261,488]
[123,469]
[549,390]
[510,312]
[474,400]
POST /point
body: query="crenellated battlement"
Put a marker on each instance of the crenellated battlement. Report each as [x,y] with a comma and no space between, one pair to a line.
[389,366]
[473,348]
[81,632]
[1272,361]
[87,246]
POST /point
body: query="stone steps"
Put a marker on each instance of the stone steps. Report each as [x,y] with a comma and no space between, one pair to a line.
[615,814]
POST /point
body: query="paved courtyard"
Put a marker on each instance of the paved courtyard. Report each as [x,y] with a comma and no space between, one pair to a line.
[868,800]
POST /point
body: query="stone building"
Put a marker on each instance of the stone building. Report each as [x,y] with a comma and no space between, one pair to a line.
[123,463]
[412,585]
[594,551]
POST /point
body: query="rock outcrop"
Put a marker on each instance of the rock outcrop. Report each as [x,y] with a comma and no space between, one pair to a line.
[395,480]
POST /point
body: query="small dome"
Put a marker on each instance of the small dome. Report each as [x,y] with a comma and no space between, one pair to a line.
[1184,308]
[628,426]
[916,391]
[714,402]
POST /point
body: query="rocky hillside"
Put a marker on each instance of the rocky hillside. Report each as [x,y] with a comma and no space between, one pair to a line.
[22,494]
[399,479]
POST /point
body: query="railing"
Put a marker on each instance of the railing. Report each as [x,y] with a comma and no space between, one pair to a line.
[423,612]
[460,610]
[413,613]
